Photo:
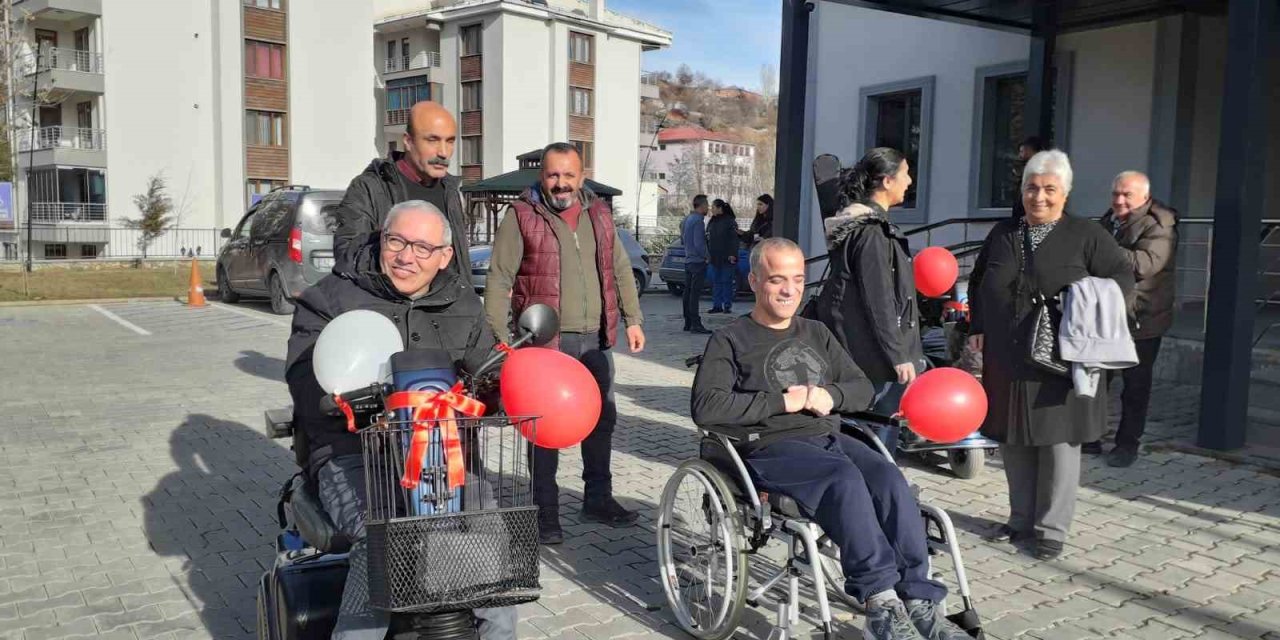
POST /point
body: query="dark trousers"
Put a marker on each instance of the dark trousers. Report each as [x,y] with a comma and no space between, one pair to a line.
[695,277]
[1135,398]
[862,502]
[885,402]
[597,448]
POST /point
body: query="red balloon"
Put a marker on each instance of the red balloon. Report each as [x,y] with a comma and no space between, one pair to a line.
[935,270]
[944,405]
[555,388]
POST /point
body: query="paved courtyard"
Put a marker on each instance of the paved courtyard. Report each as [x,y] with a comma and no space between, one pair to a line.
[137,498]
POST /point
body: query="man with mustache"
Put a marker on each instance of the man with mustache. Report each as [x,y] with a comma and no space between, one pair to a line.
[557,245]
[420,172]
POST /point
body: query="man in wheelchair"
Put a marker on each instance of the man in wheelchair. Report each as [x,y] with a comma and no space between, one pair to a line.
[399,273]
[782,380]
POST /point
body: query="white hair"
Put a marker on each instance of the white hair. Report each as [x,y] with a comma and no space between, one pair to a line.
[1133,175]
[425,207]
[1049,163]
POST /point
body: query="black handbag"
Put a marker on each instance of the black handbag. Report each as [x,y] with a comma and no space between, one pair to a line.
[1043,350]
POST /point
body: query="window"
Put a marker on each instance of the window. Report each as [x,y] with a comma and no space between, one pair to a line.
[55,251]
[472,150]
[587,151]
[580,101]
[404,50]
[472,96]
[580,48]
[263,60]
[88,251]
[264,128]
[391,147]
[264,4]
[391,53]
[405,92]
[471,39]
[900,116]
[999,127]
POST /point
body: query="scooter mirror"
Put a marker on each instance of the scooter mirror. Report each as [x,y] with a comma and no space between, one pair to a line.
[540,322]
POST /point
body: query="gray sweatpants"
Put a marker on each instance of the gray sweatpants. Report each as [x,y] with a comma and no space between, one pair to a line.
[342,493]
[1042,487]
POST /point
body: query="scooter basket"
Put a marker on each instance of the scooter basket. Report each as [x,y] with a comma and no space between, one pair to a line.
[441,545]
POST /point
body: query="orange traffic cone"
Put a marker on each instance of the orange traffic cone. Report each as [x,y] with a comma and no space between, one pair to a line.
[195,292]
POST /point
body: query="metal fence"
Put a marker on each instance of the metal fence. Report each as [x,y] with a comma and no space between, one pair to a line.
[87,242]
[63,138]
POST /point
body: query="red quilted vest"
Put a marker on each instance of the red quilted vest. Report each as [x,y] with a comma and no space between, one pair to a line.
[538,280]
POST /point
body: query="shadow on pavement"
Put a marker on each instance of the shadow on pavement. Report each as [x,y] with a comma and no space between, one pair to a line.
[217,513]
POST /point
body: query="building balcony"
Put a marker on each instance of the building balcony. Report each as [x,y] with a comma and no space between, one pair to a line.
[420,60]
[68,213]
[60,10]
[62,71]
[74,146]
[649,86]
[396,117]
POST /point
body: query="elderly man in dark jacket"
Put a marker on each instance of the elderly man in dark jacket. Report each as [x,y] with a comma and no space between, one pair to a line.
[1147,231]
[399,273]
[421,172]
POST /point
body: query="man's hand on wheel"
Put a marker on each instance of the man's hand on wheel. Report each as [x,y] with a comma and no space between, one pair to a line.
[635,338]
[819,401]
[795,398]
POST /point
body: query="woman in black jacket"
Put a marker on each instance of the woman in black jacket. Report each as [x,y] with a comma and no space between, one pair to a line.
[762,224]
[1037,416]
[722,249]
[869,300]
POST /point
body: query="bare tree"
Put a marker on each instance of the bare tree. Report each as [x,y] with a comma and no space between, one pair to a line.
[768,82]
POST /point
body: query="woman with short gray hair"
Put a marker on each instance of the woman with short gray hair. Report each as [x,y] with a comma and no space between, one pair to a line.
[1035,414]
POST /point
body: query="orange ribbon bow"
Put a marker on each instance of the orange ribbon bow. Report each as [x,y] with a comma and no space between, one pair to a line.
[429,409]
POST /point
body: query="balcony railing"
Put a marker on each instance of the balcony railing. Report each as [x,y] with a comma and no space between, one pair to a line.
[397,116]
[69,60]
[648,77]
[63,138]
[55,212]
[422,60]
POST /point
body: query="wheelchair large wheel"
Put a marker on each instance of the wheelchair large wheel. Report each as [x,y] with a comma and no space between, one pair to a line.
[702,559]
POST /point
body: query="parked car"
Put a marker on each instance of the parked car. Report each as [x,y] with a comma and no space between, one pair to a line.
[639,262]
[282,245]
[672,270]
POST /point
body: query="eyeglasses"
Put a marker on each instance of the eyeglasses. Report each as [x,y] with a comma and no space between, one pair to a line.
[396,244]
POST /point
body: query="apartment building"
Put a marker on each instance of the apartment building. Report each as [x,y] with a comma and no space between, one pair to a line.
[690,160]
[229,99]
[520,74]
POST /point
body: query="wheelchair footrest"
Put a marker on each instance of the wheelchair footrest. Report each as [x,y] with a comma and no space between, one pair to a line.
[969,621]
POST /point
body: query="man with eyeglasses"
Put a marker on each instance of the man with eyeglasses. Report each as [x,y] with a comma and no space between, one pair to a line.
[402,274]
[557,246]
[420,172]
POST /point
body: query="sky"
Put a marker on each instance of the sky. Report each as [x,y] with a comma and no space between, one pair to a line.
[726,39]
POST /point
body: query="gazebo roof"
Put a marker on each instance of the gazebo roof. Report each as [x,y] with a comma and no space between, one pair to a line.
[514,182]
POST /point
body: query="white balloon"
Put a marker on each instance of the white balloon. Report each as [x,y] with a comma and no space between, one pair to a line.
[354,349]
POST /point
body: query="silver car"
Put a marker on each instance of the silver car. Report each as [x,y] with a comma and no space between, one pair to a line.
[282,245]
[639,262]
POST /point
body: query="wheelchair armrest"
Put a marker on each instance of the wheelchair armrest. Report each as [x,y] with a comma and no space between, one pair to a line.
[732,434]
[877,418]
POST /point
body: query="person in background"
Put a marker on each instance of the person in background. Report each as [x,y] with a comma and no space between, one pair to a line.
[869,299]
[693,235]
[1147,231]
[1027,148]
[762,223]
[1035,415]
[722,251]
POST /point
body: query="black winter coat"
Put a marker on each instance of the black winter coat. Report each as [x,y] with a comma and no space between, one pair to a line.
[722,239]
[869,299]
[372,194]
[1025,405]
[450,317]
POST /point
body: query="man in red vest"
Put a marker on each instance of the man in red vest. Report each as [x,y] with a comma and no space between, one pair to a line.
[557,245]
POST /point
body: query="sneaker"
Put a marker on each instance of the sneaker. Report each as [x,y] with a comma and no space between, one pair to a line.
[1008,534]
[702,331]
[1048,549]
[889,621]
[1122,457]
[549,531]
[714,310]
[609,512]
[932,623]
[1092,448]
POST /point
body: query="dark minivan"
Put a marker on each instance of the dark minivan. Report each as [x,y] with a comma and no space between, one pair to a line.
[283,245]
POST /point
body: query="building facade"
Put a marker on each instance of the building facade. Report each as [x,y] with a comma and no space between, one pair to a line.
[690,160]
[519,74]
[228,100]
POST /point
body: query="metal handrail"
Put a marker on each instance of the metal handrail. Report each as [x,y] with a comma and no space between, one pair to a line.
[58,137]
[68,212]
[69,60]
[421,60]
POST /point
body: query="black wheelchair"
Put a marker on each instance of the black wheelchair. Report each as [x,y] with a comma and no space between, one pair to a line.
[711,520]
